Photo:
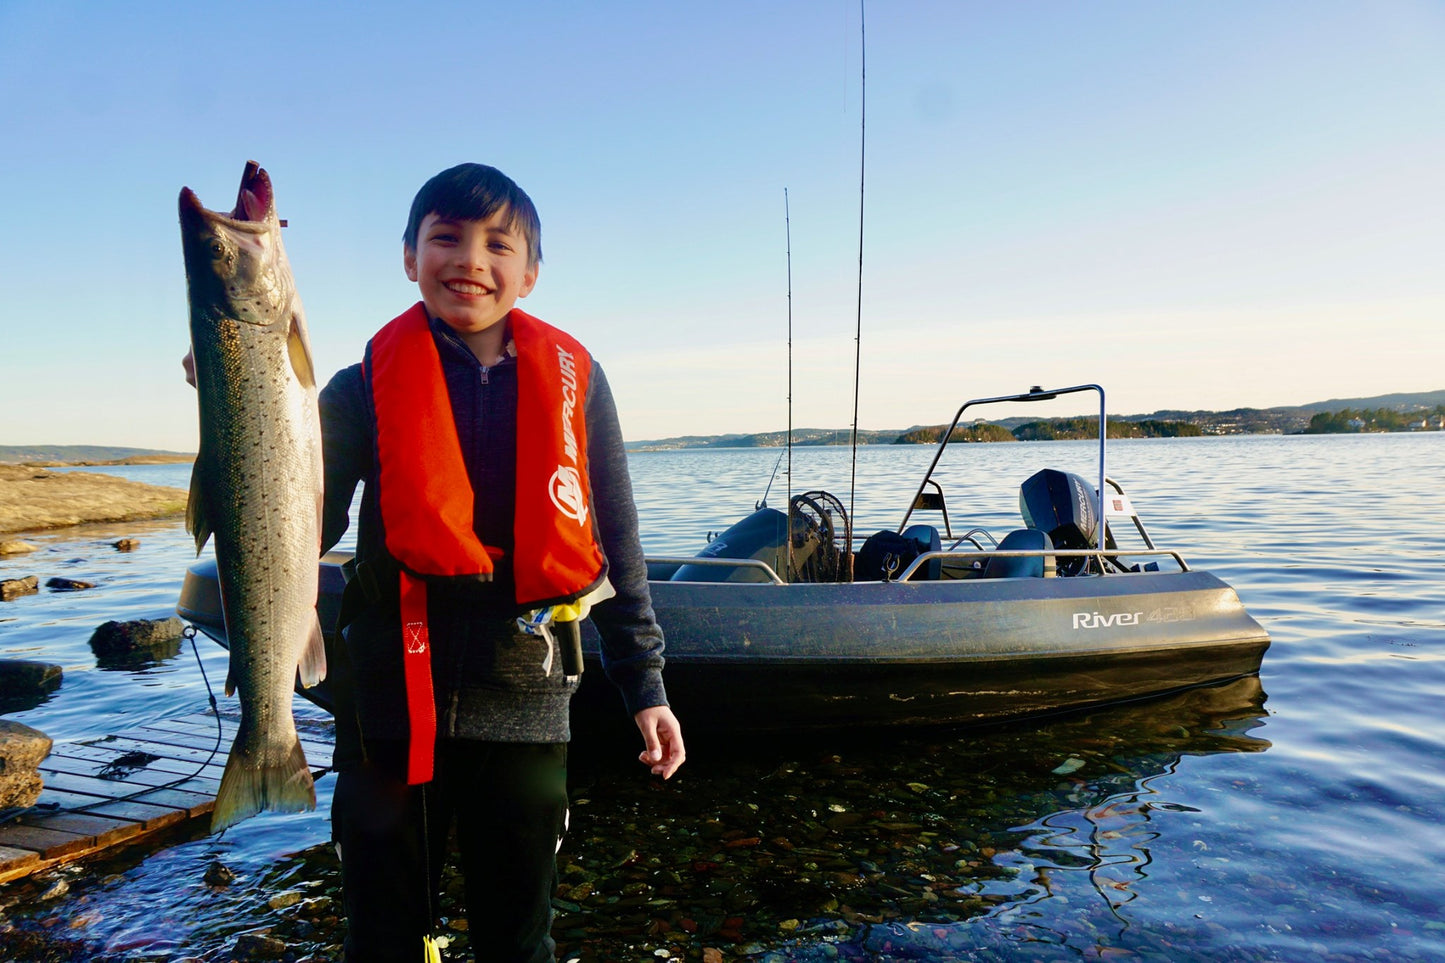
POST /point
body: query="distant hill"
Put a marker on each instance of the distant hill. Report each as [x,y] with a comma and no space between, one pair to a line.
[86,455]
[1400,401]
[802,437]
[1293,419]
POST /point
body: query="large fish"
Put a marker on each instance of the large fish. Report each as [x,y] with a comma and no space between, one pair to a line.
[256,485]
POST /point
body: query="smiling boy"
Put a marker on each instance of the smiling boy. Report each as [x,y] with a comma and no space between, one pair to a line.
[495,487]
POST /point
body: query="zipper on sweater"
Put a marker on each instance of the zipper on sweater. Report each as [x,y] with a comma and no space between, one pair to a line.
[484,373]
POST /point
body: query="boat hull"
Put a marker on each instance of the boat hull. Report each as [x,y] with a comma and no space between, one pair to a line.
[762,656]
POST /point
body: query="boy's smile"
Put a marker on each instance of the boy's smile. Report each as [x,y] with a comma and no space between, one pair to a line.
[471,273]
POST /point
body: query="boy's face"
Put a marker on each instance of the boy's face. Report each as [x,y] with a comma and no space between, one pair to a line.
[470,273]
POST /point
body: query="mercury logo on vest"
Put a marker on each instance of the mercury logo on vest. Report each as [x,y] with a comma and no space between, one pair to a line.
[565,487]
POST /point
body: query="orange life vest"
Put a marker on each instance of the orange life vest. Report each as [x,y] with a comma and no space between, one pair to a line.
[426,497]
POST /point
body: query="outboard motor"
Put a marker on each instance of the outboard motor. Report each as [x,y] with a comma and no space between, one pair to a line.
[1062,505]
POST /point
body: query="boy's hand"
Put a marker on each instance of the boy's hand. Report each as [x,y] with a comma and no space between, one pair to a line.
[662,735]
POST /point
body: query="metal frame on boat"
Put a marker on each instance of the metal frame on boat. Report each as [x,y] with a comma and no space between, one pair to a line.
[786,621]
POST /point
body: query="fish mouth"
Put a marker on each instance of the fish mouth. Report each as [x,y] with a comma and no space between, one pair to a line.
[255,204]
[255,200]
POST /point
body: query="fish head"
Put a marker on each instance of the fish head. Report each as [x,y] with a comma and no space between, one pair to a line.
[236,266]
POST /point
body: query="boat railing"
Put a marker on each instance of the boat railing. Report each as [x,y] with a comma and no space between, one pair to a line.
[1104,560]
[971,536]
[1118,505]
[929,496]
[752,563]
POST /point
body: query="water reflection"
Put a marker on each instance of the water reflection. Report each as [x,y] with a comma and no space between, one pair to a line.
[892,844]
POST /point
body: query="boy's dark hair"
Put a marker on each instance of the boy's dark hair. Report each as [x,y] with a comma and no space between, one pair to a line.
[474,192]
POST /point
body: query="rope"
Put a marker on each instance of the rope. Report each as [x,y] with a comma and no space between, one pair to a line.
[53,809]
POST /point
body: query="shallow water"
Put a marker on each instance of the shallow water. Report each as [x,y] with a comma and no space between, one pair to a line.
[1293,819]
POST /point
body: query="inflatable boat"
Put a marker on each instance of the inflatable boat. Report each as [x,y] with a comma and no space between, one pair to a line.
[788,620]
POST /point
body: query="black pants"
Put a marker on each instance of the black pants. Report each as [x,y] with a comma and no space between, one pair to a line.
[509,803]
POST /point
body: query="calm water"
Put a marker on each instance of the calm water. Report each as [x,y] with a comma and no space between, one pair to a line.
[1296,819]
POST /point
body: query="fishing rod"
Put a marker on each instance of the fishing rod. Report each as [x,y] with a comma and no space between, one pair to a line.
[858,333]
[788,235]
[788,447]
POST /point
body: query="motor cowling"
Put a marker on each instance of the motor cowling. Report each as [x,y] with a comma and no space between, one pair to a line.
[1061,504]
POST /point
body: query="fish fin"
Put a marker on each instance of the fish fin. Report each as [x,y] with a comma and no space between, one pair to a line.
[313,657]
[299,349]
[230,682]
[196,522]
[285,787]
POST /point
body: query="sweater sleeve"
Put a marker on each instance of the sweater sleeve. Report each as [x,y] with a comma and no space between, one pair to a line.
[632,642]
[346,449]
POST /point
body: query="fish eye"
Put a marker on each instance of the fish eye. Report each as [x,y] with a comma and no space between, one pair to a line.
[217,248]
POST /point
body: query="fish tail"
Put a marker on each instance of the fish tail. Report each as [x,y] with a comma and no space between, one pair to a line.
[247,789]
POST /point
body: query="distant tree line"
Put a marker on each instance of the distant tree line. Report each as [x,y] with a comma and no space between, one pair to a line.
[1053,429]
[1063,429]
[1349,420]
[983,431]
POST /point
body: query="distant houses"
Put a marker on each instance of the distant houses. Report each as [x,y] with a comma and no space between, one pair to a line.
[1351,421]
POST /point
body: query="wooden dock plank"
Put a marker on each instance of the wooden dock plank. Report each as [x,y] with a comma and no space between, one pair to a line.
[49,843]
[109,760]
[130,779]
[106,830]
[17,862]
[192,803]
[125,743]
[150,817]
[102,792]
[310,730]
[171,732]
[203,727]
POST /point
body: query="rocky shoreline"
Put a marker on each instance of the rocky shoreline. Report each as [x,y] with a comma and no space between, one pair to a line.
[33,498]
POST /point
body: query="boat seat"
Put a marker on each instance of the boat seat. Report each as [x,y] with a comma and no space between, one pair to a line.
[1022,566]
[886,554]
[927,540]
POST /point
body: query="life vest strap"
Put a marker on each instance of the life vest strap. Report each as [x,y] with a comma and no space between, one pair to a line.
[416,666]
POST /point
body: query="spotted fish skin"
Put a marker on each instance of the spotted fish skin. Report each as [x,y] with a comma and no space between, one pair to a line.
[256,486]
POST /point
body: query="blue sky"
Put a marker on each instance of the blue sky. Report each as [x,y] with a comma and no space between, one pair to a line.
[1200,205]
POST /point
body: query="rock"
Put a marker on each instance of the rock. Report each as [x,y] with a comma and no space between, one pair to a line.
[22,749]
[13,588]
[57,889]
[24,685]
[15,547]
[137,643]
[258,946]
[126,544]
[282,900]
[218,875]
[59,584]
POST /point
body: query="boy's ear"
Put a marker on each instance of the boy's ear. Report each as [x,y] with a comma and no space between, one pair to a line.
[529,280]
[408,260]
